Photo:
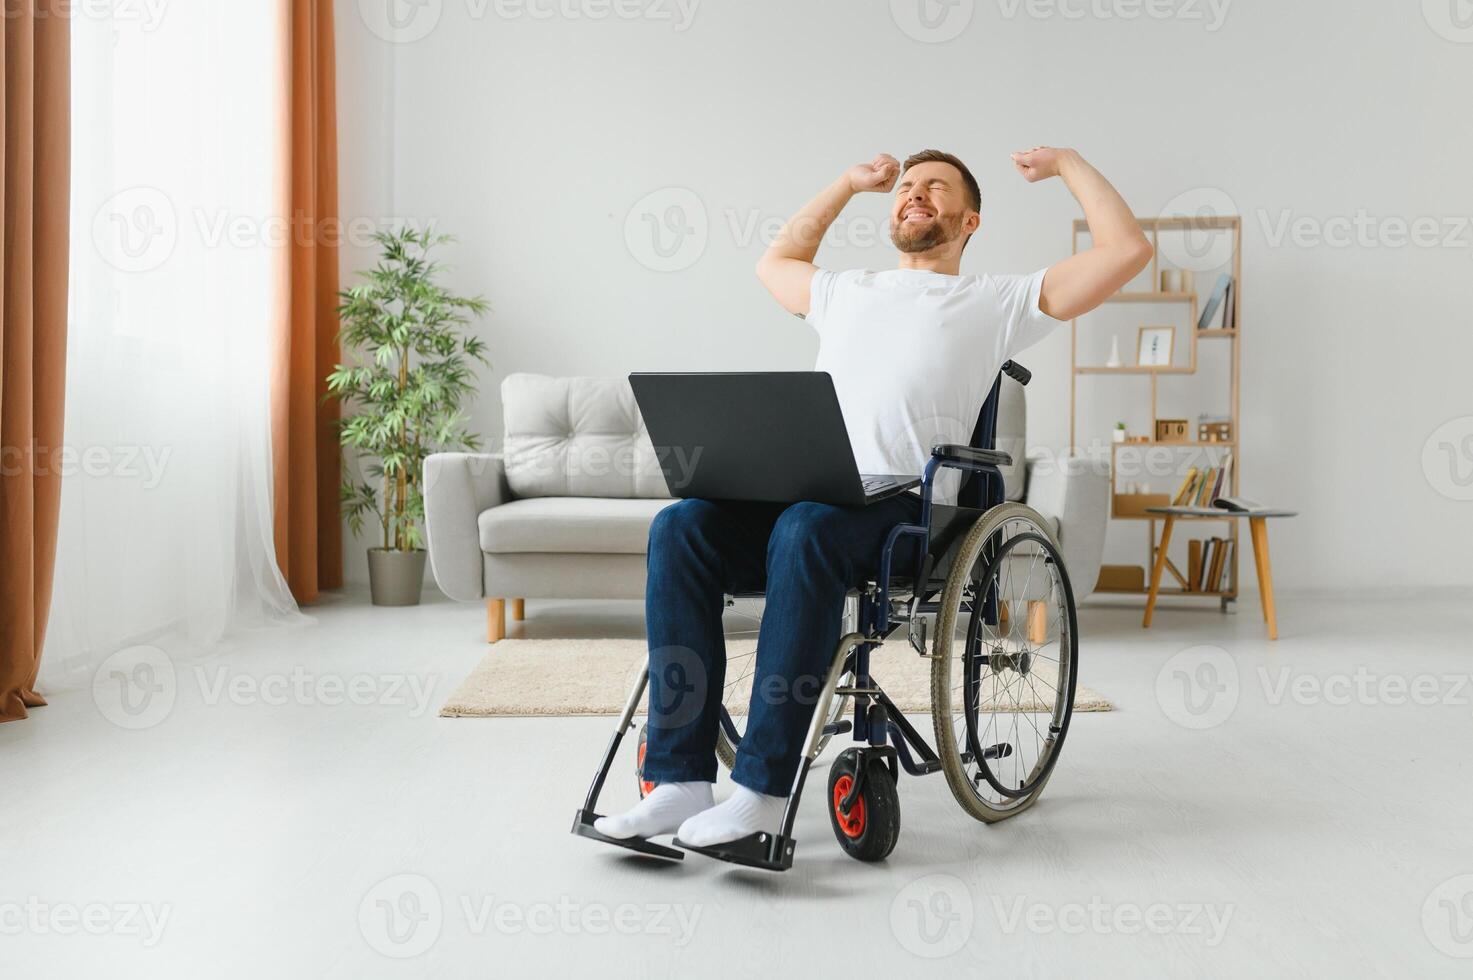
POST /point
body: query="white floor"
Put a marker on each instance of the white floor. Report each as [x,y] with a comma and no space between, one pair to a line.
[1251,809]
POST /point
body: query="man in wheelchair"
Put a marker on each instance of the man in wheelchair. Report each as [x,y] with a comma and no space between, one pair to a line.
[913,353]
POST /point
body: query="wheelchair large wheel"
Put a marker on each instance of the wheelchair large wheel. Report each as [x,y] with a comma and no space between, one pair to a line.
[1004,663]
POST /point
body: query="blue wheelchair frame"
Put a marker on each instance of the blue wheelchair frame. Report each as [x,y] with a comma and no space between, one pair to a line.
[877,721]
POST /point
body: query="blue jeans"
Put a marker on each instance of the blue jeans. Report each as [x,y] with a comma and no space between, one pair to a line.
[804,557]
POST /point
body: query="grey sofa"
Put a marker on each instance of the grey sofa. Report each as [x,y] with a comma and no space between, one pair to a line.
[563,512]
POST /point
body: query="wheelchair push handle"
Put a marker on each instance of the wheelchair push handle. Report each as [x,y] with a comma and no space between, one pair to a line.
[1017,372]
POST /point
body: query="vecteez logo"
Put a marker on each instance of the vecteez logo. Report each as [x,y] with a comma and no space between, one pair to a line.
[1198,687]
[932,917]
[401,916]
[1451,20]
[136,687]
[136,230]
[667,229]
[1198,249]
[1447,917]
[401,21]
[932,21]
[1447,458]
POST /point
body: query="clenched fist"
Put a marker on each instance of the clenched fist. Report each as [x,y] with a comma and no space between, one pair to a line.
[877,175]
[1040,162]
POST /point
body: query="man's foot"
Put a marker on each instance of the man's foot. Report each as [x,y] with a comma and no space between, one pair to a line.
[745,812]
[662,812]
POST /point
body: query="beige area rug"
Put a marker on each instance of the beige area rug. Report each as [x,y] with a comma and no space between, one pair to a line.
[593,677]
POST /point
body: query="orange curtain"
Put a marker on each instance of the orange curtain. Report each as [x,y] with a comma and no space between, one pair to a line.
[305,455]
[33,321]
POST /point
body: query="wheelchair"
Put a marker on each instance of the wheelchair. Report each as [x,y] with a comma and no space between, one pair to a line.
[989,605]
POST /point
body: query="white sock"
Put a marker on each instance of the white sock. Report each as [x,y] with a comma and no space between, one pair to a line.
[659,813]
[745,812]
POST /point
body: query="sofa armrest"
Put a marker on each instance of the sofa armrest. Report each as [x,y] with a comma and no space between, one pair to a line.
[457,488]
[1075,491]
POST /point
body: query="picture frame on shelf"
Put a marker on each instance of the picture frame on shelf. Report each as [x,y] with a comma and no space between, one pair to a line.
[1154,346]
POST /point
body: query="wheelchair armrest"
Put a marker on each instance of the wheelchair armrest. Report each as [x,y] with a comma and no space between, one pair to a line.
[958,455]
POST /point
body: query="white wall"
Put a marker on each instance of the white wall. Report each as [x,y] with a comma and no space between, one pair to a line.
[533,137]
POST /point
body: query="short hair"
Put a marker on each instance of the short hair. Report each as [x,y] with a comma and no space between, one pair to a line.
[974,193]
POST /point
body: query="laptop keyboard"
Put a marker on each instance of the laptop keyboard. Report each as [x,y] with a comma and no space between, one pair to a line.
[873,483]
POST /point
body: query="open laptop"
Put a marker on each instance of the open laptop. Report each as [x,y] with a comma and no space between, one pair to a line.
[774,436]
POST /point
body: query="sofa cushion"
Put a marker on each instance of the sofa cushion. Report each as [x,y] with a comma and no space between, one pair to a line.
[577,437]
[570,525]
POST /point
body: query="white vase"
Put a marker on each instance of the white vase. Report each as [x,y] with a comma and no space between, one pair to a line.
[1114,360]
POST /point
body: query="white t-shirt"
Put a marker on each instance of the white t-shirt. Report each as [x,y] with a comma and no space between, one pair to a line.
[913,355]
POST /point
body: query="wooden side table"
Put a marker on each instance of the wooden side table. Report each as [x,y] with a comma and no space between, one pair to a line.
[1258,531]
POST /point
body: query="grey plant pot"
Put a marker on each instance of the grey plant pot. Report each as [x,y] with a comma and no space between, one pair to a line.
[395,577]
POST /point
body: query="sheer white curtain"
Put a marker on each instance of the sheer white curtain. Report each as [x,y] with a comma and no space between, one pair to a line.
[177,252]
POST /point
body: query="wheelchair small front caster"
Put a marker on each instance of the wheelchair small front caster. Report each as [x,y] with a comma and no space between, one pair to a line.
[869,826]
[646,787]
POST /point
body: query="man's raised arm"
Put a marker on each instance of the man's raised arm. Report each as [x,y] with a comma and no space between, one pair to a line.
[786,269]
[1121,250]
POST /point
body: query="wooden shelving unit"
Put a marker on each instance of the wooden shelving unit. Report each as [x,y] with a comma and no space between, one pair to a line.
[1226,225]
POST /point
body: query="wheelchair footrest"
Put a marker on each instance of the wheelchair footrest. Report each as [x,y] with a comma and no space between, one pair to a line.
[753,851]
[583,827]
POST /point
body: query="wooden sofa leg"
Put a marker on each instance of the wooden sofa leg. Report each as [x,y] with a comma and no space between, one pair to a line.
[518,609]
[495,620]
[1037,622]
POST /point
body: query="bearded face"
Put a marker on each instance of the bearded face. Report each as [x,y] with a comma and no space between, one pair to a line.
[931,208]
[918,229]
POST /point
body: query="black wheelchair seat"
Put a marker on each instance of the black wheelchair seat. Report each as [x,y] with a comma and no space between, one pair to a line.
[948,524]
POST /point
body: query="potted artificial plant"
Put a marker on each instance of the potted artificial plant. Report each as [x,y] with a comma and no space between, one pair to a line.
[401,398]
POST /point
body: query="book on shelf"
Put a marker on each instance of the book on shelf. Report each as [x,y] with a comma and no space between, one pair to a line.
[1222,482]
[1209,564]
[1202,487]
[1181,492]
[1221,298]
